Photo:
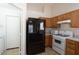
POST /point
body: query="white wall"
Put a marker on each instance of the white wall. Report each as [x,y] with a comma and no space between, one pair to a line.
[47,10]
[39,10]
[34,10]
[62,8]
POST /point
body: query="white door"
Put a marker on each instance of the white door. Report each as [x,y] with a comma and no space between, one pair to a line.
[13,31]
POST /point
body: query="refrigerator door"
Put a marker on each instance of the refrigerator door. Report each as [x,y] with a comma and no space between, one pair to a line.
[35,36]
[30,28]
[41,26]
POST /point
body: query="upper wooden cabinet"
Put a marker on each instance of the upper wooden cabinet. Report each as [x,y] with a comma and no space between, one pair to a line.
[47,23]
[60,18]
[54,22]
[73,16]
[75,19]
[66,16]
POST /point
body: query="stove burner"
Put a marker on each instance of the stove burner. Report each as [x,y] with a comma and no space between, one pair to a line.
[62,35]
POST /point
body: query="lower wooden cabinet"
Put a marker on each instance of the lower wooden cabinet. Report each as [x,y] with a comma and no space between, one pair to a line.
[48,41]
[72,47]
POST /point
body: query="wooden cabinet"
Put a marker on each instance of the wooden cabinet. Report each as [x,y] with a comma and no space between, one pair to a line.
[75,19]
[54,22]
[63,17]
[60,18]
[66,16]
[47,23]
[48,41]
[73,16]
[72,47]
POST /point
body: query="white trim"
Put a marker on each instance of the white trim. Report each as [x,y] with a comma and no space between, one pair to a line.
[65,21]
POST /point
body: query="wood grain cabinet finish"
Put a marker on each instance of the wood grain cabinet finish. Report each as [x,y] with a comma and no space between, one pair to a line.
[66,16]
[75,19]
[48,41]
[54,22]
[72,47]
[73,16]
[48,23]
[60,17]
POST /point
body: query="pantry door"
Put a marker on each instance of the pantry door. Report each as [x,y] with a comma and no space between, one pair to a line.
[13,31]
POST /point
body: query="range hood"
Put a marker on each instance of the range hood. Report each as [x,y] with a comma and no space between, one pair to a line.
[65,21]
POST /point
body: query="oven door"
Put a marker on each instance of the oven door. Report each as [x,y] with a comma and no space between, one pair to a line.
[58,42]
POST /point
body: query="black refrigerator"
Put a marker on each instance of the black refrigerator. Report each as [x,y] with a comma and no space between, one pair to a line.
[35,36]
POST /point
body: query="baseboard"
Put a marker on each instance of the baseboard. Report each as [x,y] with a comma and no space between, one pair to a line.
[12,48]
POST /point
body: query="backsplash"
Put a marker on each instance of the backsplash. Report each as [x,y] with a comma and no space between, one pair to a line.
[76,32]
[67,27]
[64,27]
[48,30]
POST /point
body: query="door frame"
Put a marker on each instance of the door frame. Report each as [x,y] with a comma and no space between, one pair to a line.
[23,10]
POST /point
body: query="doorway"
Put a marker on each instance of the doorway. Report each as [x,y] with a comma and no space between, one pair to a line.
[10,30]
[12,35]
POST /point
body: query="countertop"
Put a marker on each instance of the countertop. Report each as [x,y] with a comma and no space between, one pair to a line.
[73,38]
[48,34]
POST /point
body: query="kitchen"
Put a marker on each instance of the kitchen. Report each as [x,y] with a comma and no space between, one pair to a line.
[61,27]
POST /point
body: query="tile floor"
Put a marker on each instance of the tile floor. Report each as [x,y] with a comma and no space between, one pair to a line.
[48,51]
[12,52]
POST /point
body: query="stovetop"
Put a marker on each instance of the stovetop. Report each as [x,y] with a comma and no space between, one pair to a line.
[62,35]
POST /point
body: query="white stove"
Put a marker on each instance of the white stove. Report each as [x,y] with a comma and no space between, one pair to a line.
[59,42]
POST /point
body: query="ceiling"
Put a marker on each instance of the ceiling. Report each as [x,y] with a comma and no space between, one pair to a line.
[51,4]
[38,4]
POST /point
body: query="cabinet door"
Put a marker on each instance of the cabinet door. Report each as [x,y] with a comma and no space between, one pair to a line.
[47,41]
[47,23]
[70,47]
[70,51]
[50,41]
[77,48]
[66,16]
[54,22]
[60,18]
[75,19]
